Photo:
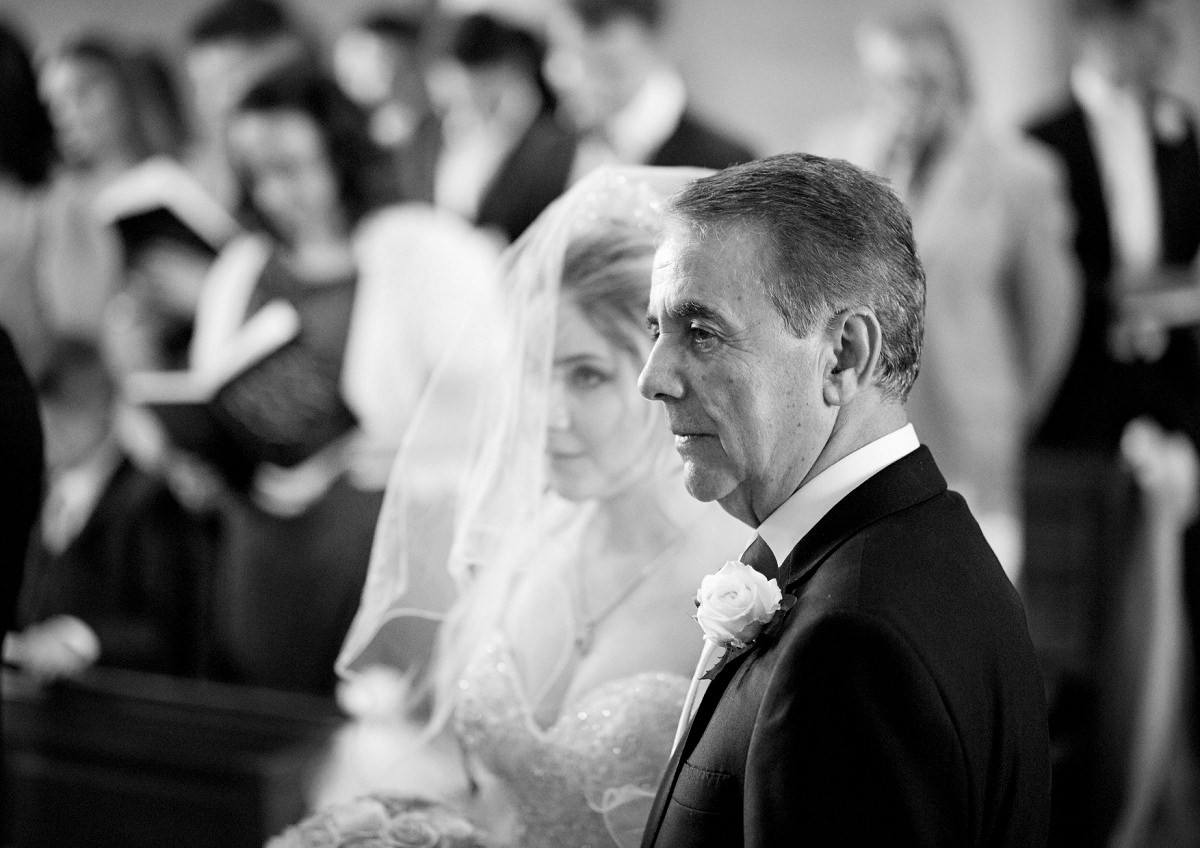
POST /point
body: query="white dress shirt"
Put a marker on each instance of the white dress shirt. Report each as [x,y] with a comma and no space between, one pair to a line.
[634,134]
[1120,128]
[796,516]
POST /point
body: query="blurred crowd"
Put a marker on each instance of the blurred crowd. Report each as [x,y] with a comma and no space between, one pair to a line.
[369,180]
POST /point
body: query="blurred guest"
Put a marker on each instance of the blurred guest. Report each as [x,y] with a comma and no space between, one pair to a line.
[1133,162]
[27,158]
[232,44]
[623,94]
[1145,681]
[110,110]
[113,574]
[379,291]
[1131,155]
[505,156]
[1002,294]
[171,229]
[379,63]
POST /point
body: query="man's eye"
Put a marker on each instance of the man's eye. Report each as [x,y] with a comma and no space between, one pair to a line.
[701,337]
[653,331]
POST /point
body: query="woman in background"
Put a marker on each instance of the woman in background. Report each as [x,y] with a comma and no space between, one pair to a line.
[561,667]
[112,108]
[377,289]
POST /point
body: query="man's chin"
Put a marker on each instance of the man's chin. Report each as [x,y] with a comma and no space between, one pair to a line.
[706,484]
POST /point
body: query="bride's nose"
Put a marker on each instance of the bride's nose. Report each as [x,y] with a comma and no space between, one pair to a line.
[558,414]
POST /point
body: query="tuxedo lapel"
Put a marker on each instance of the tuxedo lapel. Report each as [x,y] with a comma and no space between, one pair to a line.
[708,705]
[910,480]
[1177,164]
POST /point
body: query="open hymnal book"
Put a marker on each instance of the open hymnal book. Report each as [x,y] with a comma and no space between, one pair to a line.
[158,203]
[270,400]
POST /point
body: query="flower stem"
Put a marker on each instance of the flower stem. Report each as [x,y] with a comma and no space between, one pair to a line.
[685,718]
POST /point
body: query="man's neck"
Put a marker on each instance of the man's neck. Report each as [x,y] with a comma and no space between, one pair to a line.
[853,432]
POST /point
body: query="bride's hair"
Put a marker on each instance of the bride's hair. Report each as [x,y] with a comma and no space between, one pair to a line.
[606,275]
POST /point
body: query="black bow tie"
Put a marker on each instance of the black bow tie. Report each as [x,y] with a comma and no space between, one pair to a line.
[759,557]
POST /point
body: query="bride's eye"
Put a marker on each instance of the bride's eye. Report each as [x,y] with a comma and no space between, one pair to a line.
[588,377]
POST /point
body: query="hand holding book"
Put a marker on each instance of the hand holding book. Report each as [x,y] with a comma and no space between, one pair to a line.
[271,400]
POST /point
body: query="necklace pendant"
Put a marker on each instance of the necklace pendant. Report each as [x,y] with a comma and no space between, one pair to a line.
[583,640]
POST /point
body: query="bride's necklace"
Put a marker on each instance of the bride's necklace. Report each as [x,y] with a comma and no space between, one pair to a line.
[585,630]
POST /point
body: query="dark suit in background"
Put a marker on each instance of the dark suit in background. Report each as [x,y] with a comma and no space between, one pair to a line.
[1099,394]
[136,573]
[694,143]
[533,174]
[901,704]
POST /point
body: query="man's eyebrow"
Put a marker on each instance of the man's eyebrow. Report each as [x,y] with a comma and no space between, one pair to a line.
[686,310]
[689,309]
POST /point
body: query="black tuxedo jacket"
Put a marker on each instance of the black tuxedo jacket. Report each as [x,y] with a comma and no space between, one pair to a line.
[900,705]
[694,143]
[1099,395]
[136,573]
[534,174]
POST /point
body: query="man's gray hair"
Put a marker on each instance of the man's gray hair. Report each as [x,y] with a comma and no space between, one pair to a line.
[832,237]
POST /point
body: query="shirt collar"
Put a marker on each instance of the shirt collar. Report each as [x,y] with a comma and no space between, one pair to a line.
[792,520]
[649,118]
[1099,96]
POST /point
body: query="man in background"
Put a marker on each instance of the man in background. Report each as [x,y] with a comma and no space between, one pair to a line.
[379,63]
[231,45]
[623,94]
[993,227]
[1132,160]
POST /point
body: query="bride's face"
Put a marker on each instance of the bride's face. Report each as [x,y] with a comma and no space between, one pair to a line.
[598,425]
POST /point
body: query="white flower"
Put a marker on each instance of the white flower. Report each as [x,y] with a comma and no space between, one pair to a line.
[735,604]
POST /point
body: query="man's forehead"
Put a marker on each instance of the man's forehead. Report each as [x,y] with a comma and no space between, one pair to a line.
[711,260]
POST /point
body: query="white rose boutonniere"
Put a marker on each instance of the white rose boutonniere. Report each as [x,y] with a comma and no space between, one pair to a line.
[734,607]
[735,604]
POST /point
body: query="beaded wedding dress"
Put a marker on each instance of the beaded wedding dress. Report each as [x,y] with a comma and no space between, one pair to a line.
[566,782]
[553,711]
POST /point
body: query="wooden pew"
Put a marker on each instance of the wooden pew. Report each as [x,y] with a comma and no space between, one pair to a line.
[129,759]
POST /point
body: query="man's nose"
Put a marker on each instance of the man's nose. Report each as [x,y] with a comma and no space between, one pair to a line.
[659,379]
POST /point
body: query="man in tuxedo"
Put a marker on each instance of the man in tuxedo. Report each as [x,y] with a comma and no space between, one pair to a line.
[897,701]
[1133,165]
[380,63]
[623,95]
[1132,158]
[505,156]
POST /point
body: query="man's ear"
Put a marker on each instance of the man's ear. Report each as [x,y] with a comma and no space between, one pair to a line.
[856,341]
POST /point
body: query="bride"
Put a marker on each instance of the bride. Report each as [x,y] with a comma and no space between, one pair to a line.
[560,667]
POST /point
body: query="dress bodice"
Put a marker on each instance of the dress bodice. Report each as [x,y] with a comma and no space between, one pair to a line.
[615,737]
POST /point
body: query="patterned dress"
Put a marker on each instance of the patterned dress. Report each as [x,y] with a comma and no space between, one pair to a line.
[608,748]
